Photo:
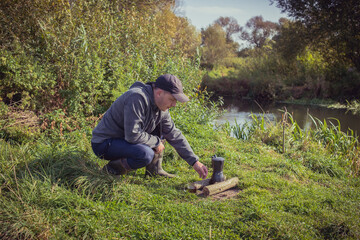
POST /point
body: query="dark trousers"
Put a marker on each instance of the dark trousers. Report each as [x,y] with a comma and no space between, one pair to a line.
[137,155]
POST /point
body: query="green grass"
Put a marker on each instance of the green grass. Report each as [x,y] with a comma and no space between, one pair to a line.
[314,101]
[55,189]
[353,106]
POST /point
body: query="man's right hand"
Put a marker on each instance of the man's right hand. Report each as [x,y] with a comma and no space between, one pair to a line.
[201,169]
[159,148]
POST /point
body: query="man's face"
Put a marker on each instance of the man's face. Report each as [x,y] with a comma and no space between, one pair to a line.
[165,100]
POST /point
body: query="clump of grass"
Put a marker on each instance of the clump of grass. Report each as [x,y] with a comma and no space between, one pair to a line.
[313,101]
[343,147]
[354,107]
[18,125]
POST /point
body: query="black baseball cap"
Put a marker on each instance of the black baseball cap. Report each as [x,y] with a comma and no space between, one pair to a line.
[172,84]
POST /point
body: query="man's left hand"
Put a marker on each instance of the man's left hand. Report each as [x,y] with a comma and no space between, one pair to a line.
[159,148]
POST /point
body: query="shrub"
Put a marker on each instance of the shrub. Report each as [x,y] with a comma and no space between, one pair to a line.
[81,55]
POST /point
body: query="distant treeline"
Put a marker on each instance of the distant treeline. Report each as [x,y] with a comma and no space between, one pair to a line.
[316,54]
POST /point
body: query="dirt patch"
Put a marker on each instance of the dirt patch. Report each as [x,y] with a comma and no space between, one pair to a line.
[230,193]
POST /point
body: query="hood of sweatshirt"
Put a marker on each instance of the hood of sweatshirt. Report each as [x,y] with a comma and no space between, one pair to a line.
[148,90]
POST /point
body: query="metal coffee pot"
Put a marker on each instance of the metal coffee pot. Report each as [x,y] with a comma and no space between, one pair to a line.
[217,165]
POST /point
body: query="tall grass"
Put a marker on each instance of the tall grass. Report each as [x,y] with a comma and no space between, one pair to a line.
[344,147]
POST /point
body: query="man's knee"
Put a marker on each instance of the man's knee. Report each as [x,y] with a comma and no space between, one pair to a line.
[148,156]
[144,154]
[143,158]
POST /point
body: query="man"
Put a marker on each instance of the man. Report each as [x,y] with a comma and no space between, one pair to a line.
[131,133]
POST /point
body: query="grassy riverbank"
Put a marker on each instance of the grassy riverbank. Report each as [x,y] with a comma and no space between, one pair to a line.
[64,62]
[53,188]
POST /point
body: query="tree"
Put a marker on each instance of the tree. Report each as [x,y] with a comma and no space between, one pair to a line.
[180,34]
[257,31]
[290,40]
[215,47]
[334,22]
[230,26]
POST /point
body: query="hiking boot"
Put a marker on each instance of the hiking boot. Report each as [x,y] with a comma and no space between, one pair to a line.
[117,167]
[155,168]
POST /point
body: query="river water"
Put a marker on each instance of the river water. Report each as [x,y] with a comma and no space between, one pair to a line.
[240,110]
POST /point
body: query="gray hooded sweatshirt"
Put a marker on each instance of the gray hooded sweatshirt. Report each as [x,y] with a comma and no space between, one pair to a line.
[134,115]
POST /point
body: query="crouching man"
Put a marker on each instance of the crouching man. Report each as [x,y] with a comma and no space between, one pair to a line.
[132,131]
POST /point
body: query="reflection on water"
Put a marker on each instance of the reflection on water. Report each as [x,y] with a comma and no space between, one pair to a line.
[240,110]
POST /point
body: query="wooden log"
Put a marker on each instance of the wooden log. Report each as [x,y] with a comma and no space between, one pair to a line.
[220,186]
[198,185]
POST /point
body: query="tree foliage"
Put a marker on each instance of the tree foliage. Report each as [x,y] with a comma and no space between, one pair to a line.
[181,35]
[230,25]
[294,58]
[215,46]
[257,31]
[333,22]
[290,41]
[217,41]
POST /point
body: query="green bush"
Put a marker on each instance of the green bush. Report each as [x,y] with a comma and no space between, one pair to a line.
[80,56]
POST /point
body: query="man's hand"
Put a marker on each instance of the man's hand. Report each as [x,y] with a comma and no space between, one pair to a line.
[201,169]
[159,148]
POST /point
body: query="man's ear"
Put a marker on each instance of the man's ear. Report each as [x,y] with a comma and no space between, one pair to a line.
[158,92]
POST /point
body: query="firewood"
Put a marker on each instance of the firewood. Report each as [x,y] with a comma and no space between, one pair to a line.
[220,186]
[198,185]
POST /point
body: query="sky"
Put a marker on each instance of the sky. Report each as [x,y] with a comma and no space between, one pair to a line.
[203,13]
